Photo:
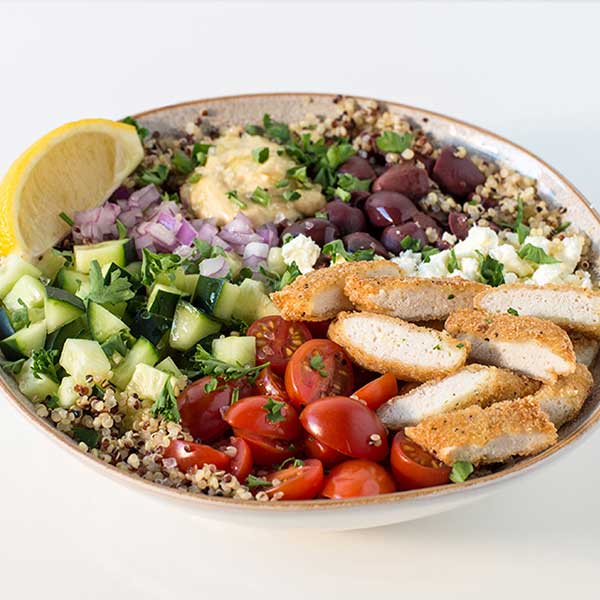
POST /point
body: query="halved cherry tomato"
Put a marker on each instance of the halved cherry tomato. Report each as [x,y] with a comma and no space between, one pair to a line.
[316,449]
[265,416]
[241,463]
[277,340]
[318,368]
[413,467]
[348,426]
[298,482]
[318,329]
[357,478]
[202,411]
[266,452]
[269,384]
[378,391]
[188,454]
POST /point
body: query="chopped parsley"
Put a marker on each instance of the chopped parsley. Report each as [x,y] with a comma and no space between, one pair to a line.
[261,154]
[209,365]
[166,404]
[43,362]
[291,195]
[339,153]
[536,255]
[20,317]
[157,176]
[459,346]
[318,364]
[273,408]
[235,199]
[410,243]
[90,437]
[261,196]
[252,481]
[452,262]
[277,282]
[117,290]
[342,194]
[276,131]
[153,264]
[292,461]
[141,131]
[183,163]
[211,385]
[492,271]
[461,471]
[513,312]
[427,252]
[518,226]
[390,141]
[336,248]
[66,218]
[349,183]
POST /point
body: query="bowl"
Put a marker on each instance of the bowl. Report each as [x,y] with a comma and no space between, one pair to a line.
[376,510]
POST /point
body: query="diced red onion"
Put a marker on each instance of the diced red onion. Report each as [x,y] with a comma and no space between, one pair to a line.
[144,198]
[96,224]
[214,267]
[268,232]
[255,254]
[131,217]
[186,234]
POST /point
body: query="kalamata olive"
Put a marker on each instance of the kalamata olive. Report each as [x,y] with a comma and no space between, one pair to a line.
[456,176]
[427,161]
[346,218]
[389,208]
[407,179]
[358,198]
[458,224]
[392,236]
[319,230]
[424,221]
[442,245]
[358,167]
[363,241]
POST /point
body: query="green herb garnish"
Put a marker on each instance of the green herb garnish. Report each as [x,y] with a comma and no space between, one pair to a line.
[461,471]
[157,176]
[166,404]
[117,290]
[513,312]
[452,262]
[43,362]
[90,437]
[390,141]
[153,264]
[492,271]
[353,184]
[252,481]
[292,461]
[410,243]
[235,199]
[536,255]
[562,228]
[291,195]
[273,408]
[317,364]
[66,218]
[518,226]
[427,252]
[339,153]
[209,365]
[261,154]
[211,385]
[121,230]
[141,131]
[261,196]
[336,248]
[274,130]
[20,317]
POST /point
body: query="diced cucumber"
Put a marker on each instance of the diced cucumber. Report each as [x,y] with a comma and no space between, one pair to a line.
[142,352]
[35,388]
[71,281]
[84,357]
[61,307]
[111,268]
[13,268]
[50,263]
[6,327]
[135,268]
[186,282]
[147,382]
[29,290]
[67,396]
[234,350]
[235,263]
[152,327]
[117,251]
[115,348]
[275,262]
[77,329]
[163,300]
[168,366]
[190,326]
[102,322]
[118,309]
[216,297]
[36,314]
[253,303]
[25,341]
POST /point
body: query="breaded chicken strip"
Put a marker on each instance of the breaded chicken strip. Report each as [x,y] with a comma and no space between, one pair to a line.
[486,435]
[319,295]
[412,298]
[562,401]
[474,384]
[389,345]
[531,346]
[586,348]
[570,307]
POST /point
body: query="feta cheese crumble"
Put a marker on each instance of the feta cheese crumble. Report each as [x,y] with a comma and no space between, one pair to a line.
[302,251]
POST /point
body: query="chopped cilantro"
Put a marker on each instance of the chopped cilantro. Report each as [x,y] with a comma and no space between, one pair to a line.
[261,154]
[518,226]
[317,364]
[452,262]
[492,271]
[298,174]
[410,243]
[273,408]
[90,437]
[117,290]
[460,345]
[153,264]
[336,248]
[390,141]
[66,218]
[342,194]
[194,178]
[427,252]
[353,184]
[141,131]
[211,385]
[274,130]
[536,255]
[339,153]
[20,317]
[157,176]
[261,196]
[252,481]
[166,404]
[461,471]
[209,365]
[43,362]
[182,163]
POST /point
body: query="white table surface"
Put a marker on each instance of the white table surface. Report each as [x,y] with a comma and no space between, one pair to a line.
[527,71]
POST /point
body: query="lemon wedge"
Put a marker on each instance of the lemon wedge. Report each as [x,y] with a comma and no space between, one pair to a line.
[74,167]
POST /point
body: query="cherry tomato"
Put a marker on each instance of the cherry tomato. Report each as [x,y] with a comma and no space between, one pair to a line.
[357,478]
[277,340]
[266,452]
[241,463]
[413,467]
[378,391]
[202,411]
[316,449]
[269,384]
[348,426]
[298,482]
[265,416]
[318,329]
[188,454]
[318,368]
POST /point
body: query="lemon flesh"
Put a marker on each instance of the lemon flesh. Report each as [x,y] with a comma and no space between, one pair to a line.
[75,167]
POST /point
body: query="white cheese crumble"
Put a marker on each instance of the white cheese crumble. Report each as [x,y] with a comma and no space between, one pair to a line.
[302,251]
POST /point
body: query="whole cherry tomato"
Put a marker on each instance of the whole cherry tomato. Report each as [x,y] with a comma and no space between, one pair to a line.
[346,425]
[269,384]
[241,463]
[277,340]
[318,329]
[265,416]
[378,391]
[202,410]
[266,452]
[316,449]
[318,368]
[298,481]
[413,467]
[188,454]
[357,478]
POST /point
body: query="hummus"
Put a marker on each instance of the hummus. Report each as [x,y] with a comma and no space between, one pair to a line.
[231,167]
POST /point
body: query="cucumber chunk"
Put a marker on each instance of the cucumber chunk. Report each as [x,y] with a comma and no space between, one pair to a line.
[67,396]
[115,251]
[163,300]
[35,388]
[25,341]
[6,327]
[236,349]
[84,357]
[135,268]
[190,326]
[148,382]
[102,323]
[76,329]
[253,303]
[13,268]
[29,290]
[71,281]
[152,327]
[168,366]
[61,308]
[216,297]
[142,352]
[275,262]
[50,263]
[186,282]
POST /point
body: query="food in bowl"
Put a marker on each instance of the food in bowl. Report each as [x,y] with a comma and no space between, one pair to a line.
[333,308]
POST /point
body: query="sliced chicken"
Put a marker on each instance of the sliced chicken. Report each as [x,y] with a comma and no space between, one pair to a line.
[531,346]
[412,298]
[473,384]
[570,307]
[386,344]
[586,348]
[319,295]
[486,435]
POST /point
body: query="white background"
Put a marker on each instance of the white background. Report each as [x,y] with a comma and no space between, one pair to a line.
[527,71]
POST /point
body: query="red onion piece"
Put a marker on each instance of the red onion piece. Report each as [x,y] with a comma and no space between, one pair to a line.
[214,267]
[96,224]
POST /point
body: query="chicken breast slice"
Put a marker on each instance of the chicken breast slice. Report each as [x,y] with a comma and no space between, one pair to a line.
[570,307]
[386,344]
[486,435]
[319,295]
[412,298]
[531,346]
[586,348]
[473,384]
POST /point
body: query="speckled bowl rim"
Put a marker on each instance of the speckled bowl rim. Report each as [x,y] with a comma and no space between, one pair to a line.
[519,468]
